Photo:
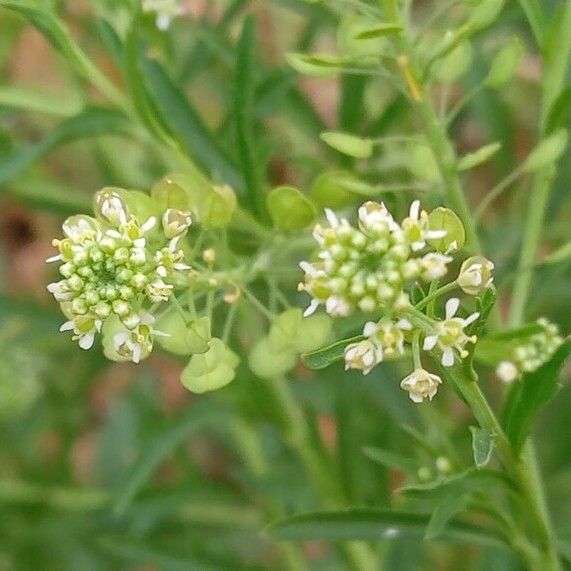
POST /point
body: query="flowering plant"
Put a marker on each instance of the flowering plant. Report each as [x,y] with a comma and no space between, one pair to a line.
[320,320]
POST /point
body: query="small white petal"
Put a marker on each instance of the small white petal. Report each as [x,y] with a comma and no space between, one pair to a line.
[414,210]
[452,306]
[67,326]
[311,308]
[54,259]
[448,357]
[370,328]
[404,324]
[86,341]
[331,218]
[430,342]
[470,319]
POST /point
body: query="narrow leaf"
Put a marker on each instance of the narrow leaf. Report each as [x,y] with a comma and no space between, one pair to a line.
[531,393]
[327,355]
[478,157]
[391,459]
[443,514]
[348,144]
[373,524]
[547,152]
[379,31]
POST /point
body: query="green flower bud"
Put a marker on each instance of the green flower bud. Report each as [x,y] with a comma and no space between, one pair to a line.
[110,206]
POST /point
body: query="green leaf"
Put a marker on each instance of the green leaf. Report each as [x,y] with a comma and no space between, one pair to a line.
[187,126]
[391,459]
[536,19]
[443,514]
[505,64]
[371,524]
[316,65]
[41,102]
[93,122]
[251,159]
[379,31]
[478,157]
[482,446]
[547,152]
[350,145]
[327,355]
[469,481]
[531,393]
[289,209]
[559,111]
[159,449]
[560,255]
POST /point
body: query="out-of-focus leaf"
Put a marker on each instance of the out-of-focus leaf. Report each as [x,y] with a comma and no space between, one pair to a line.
[531,393]
[35,101]
[188,127]
[348,144]
[547,151]
[93,122]
[373,524]
[505,64]
[442,515]
[378,31]
[289,209]
[559,111]
[478,157]
[391,459]
[251,159]
[159,450]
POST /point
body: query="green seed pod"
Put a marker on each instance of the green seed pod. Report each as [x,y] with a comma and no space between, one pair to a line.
[211,370]
[445,219]
[268,362]
[184,339]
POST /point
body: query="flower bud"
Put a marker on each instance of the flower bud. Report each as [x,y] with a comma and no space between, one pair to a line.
[507,371]
[362,356]
[421,384]
[475,275]
[175,222]
[108,204]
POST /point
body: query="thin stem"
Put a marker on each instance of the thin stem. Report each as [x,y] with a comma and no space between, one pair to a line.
[359,554]
[454,112]
[553,81]
[258,304]
[416,350]
[436,294]
[496,192]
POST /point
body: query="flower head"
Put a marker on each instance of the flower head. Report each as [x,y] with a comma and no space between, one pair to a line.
[475,275]
[421,384]
[369,267]
[450,334]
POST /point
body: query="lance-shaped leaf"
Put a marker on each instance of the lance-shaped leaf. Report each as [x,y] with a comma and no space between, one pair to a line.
[531,393]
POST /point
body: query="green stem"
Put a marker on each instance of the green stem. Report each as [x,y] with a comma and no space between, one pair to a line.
[359,554]
[495,192]
[553,82]
[436,294]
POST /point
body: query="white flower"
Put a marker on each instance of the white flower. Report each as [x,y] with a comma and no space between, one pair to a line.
[362,356]
[475,275]
[110,205]
[450,334]
[159,291]
[507,371]
[337,306]
[420,385]
[84,330]
[434,266]
[416,228]
[375,218]
[165,10]
[175,222]
[137,343]
[387,335]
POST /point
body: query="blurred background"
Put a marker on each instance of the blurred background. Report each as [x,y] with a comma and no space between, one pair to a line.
[117,466]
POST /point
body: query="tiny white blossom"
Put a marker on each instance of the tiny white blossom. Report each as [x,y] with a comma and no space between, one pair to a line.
[450,335]
[434,266]
[362,356]
[475,275]
[421,384]
[110,206]
[507,371]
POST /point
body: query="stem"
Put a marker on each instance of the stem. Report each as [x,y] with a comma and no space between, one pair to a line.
[495,192]
[436,294]
[553,81]
[359,554]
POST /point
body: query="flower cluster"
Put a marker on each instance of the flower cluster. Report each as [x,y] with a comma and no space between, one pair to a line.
[113,267]
[372,268]
[166,11]
[369,267]
[529,356]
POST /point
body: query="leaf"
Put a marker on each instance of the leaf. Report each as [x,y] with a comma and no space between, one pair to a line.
[505,64]
[379,31]
[469,481]
[32,100]
[289,209]
[316,65]
[94,121]
[159,449]
[366,524]
[482,446]
[531,393]
[443,514]
[351,145]
[391,459]
[187,126]
[251,159]
[536,19]
[559,111]
[478,157]
[560,255]
[547,151]
[327,355]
